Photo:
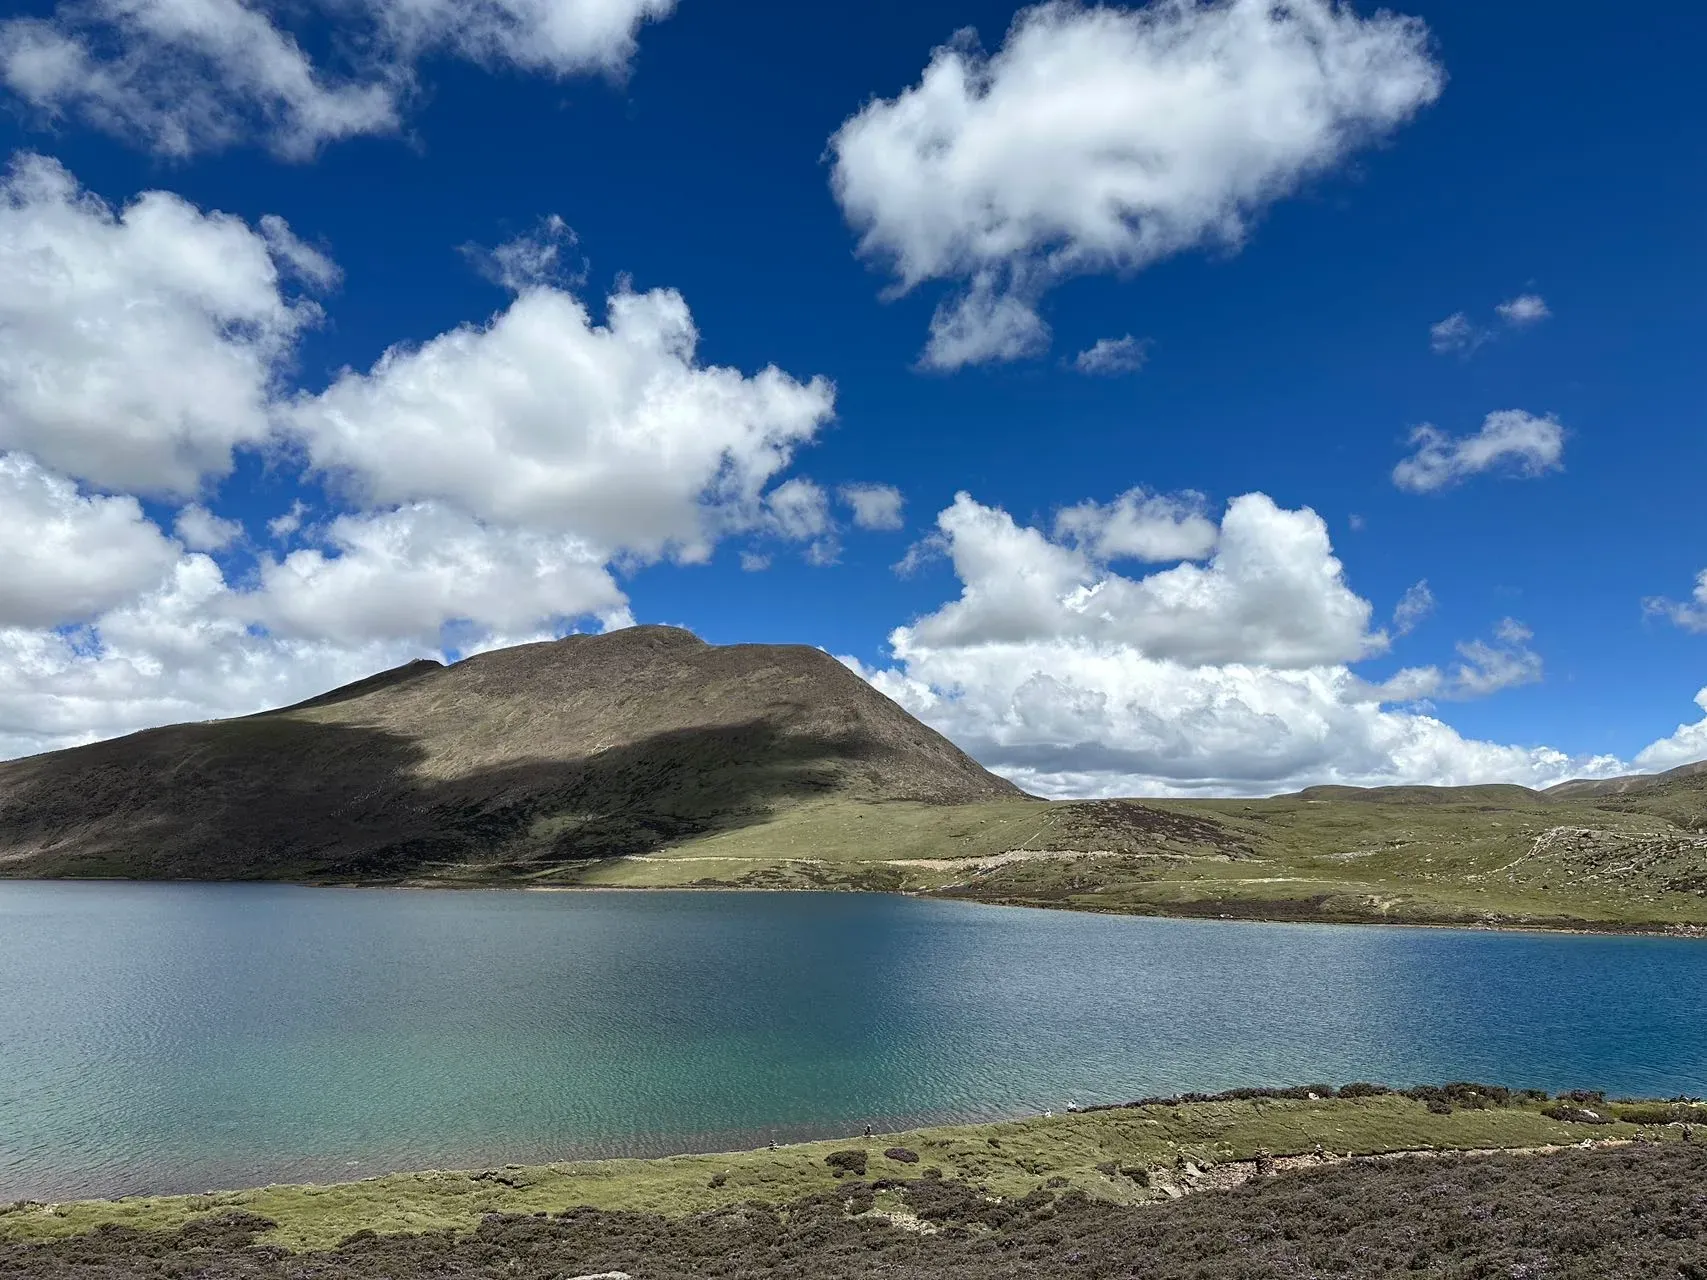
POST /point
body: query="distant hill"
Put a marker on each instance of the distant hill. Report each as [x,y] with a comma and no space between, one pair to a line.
[546,753]
[1686,776]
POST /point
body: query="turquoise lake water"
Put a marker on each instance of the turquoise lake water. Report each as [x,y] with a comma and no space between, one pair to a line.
[187,1037]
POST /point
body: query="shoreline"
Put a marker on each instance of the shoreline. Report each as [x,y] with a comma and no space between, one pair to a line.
[1147,1151]
[1655,929]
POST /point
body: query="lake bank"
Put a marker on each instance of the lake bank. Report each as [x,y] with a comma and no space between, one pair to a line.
[1130,1154]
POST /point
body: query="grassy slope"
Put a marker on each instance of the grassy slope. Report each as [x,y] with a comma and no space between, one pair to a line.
[1494,855]
[1008,1159]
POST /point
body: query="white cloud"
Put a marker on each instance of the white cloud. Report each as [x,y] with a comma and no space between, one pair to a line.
[174,652]
[405,575]
[1525,309]
[1458,333]
[1510,441]
[285,526]
[1108,357]
[1690,614]
[1685,746]
[874,506]
[1415,605]
[1140,525]
[66,557]
[183,76]
[1273,592]
[798,509]
[544,419]
[1104,139]
[308,263]
[1455,333]
[1073,682]
[753,562]
[137,347]
[200,530]
[1489,668]
[537,258]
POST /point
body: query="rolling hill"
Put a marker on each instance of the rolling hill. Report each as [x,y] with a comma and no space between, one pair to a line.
[648,758]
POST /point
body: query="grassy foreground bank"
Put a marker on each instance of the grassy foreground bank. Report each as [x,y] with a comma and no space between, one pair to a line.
[1152,1152]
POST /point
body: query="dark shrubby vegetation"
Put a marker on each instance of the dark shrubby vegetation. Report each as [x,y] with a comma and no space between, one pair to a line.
[1630,1212]
[1441,1098]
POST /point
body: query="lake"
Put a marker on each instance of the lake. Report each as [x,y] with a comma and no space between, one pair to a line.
[185,1037]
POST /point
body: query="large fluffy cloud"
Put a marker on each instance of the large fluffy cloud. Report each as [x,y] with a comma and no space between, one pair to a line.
[1272,593]
[544,418]
[1687,745]
[182,76]
[1233,676]
[177,651]
[1104,139]
[139,346]
[67,557]
[406,574]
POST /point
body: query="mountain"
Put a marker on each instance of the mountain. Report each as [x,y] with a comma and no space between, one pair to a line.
[522,758]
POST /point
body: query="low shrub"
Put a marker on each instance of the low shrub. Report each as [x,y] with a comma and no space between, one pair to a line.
[903,1155]
[846,1162]
[1362,1089]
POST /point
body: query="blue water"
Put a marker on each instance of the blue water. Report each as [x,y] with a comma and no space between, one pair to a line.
[184,1037]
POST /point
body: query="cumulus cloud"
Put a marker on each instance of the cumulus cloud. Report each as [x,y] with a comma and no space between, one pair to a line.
[406,575]
[138,347]
[874,506]
[1511,441]
[1108,357]
[65,556]
[1272,592]
[184,76]
[1689,614]
[1073,683]
[1104,139]
[1687,745]
[544,419]
[200,530]
[174,652]
[1140,525]
[1415,605]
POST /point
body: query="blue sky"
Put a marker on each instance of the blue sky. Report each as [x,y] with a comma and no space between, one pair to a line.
[1471,157]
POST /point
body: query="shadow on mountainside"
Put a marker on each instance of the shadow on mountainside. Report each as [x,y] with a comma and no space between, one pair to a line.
[278,797]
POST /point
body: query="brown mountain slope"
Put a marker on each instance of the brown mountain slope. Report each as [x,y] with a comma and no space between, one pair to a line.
[546,753]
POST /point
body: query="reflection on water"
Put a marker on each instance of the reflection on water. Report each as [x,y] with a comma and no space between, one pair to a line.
[182,1037]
